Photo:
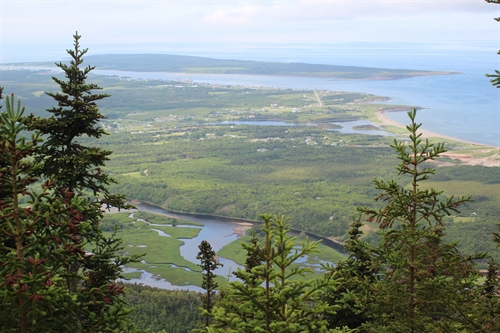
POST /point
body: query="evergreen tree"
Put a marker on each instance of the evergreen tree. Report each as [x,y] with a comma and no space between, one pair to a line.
[208,264]
[252,260]
[76,177]
[61,156]
[486,309]
[486,316]
[426,284]
[280,302]
[484,312]
[355,275]
[38,247]
[246,311]
[495,77]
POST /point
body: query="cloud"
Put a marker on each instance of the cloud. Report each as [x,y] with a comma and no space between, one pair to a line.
[158,24]
[242,15]
[306,10]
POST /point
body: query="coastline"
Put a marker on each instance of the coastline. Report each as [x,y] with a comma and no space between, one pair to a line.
[315,75]
[464,158]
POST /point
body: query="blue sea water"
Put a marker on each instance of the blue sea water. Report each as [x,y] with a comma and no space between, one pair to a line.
[465,106]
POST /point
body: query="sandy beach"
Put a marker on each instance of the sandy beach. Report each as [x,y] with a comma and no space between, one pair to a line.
[493,160]
[241,227]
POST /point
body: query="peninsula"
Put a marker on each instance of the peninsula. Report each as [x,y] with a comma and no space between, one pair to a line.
[191,64]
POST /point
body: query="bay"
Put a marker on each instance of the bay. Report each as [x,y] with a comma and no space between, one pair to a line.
[464,106]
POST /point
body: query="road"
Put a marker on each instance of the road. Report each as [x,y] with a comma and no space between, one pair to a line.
[319,99]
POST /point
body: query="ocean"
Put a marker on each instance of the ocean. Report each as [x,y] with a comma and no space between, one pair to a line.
[465,106]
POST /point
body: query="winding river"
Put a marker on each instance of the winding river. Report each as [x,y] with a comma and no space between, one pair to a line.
[217,230]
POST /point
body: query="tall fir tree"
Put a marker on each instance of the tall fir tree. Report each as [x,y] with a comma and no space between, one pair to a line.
[74,176]
[425,284]
[71,165]
[355,276]
[208,263]
[226,300]
[280,302]
[252,260]
[62,157]
[38,228]
[495,78]
[486,308]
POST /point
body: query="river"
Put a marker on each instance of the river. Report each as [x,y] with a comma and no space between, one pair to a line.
[218,231]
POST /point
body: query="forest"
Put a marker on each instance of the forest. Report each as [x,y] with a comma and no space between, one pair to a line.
[415,241]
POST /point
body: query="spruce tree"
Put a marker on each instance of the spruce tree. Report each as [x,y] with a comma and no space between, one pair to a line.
[486,308]
[245,310]
[279,301]
[425,284]
[38,228]
[486,316]
[355,275]
[495,77]
[73,177]
[252,260]
[62,157]
[208,263]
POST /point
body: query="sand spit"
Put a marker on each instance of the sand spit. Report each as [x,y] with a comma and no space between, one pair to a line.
[491,161]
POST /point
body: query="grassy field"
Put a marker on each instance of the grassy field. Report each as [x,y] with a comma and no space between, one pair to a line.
[235,252]
[162,255]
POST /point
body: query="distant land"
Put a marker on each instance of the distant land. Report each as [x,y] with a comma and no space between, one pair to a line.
[191,64]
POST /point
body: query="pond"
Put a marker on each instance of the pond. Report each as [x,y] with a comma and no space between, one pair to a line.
[346,127]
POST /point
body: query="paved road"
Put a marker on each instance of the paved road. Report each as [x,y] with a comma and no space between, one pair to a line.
[319,99]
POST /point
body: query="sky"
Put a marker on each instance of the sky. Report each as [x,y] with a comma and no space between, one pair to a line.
[42,29]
